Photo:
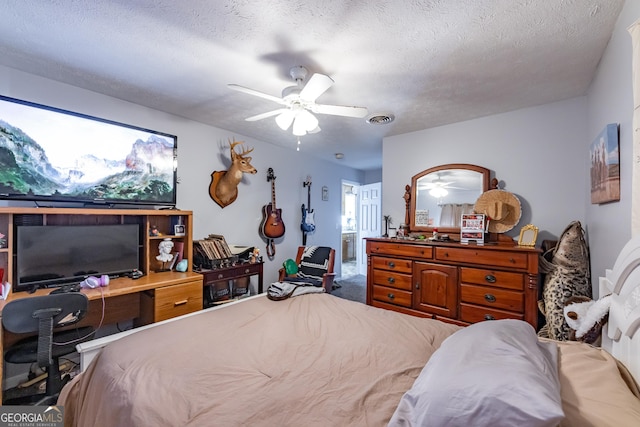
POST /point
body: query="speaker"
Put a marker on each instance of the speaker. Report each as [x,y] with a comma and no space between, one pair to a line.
[94,282]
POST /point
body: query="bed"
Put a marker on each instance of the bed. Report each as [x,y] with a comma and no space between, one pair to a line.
[318,360]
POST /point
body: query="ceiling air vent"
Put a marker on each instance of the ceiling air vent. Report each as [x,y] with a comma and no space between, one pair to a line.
[380,118]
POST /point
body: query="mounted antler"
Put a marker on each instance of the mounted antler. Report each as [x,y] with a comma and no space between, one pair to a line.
[224,184]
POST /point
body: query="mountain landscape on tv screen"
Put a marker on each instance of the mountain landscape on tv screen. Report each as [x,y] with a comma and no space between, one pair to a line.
[145,174]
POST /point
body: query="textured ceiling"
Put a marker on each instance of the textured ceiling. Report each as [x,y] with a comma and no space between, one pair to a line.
[428,62]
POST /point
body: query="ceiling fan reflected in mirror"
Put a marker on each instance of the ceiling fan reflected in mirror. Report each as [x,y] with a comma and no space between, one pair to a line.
[438,187]
[299,102]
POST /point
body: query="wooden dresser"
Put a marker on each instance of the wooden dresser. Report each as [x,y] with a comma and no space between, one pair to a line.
[456,283]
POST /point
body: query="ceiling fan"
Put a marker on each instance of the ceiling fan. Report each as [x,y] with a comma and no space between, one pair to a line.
[437,187]
[299,102]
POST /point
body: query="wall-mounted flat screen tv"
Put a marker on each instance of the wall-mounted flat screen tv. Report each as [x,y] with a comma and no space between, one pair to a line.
[51,255]
[56,155]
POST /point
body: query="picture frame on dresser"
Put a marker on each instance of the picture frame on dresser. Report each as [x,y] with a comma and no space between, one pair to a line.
[528,235]
[472,228]
[178,230]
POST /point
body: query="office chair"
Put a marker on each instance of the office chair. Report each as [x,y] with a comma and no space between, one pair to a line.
[315,265]
[42,315]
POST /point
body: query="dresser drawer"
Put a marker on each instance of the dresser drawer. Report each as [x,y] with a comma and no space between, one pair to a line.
[248,269]
[482,257]
[392,264]
[400,249]
[392,279]
[392,296]
[176,300]
[473,314]
[492,297]
[499,279]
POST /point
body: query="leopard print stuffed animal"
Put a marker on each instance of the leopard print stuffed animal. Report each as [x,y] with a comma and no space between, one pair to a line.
[567,275]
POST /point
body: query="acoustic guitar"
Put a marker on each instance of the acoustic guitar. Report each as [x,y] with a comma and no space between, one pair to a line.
[272,226]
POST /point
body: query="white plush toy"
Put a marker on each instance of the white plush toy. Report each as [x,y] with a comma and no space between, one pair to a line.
[586,317]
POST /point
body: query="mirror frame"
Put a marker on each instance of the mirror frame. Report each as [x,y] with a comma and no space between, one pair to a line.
[414,187]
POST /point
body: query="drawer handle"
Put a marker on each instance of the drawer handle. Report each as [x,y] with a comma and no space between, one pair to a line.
[512,261]
[183,302]
[489,317]
[247,270]
[490,298]
[391,296]
[392,265]
[446,254]
[490,278]
[220,276]
[391,280]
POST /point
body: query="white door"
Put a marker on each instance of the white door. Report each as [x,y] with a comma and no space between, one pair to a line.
[369,221]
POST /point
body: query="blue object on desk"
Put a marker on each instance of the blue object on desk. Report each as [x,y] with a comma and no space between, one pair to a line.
[182,266]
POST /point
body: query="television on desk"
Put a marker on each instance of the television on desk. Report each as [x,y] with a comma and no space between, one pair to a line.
[53,255]
[49,154]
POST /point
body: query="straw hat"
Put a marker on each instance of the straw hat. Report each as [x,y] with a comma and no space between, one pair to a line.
[502,207]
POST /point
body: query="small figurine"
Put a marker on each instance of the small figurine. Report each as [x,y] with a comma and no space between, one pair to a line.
[165,247]
[255,256]
[153,231]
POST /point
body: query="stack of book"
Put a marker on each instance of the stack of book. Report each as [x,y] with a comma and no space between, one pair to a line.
[212,251]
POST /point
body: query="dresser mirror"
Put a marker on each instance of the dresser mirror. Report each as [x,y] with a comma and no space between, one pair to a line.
[439,195]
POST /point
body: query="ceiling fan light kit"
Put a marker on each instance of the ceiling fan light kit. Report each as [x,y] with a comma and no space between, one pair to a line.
[438,192]
[299,103]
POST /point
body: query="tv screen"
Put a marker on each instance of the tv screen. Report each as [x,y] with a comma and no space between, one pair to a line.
[57,254]
[57,155]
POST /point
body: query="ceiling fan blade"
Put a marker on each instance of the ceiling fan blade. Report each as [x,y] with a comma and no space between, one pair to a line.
[434,184]
[256,93]
[316,86]
[267,114]
[339,110]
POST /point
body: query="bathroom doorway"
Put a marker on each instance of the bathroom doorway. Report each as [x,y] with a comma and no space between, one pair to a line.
[360,219]
[349,265]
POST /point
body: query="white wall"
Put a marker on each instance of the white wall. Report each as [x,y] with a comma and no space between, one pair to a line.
[203,149]
[535,152]
[542,154]
[610,100]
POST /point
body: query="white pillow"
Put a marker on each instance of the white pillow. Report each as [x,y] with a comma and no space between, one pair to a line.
[493,373]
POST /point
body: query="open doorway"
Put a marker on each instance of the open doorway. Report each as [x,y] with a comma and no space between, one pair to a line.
[349,265]
[360,219]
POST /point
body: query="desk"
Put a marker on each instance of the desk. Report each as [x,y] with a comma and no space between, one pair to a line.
[127,299]
[234,272]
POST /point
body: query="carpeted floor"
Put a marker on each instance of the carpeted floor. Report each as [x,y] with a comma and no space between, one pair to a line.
[353,288]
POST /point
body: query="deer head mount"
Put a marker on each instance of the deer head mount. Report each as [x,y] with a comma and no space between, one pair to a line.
[224,184]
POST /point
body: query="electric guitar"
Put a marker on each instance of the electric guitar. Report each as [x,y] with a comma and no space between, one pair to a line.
[307,224]
[272,226]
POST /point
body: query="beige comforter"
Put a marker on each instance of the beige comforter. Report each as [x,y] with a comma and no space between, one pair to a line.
[311,360]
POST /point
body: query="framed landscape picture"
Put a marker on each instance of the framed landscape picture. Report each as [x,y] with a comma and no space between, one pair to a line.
[605,166]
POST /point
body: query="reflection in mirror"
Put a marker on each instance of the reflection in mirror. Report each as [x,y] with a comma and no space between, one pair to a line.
[440,195]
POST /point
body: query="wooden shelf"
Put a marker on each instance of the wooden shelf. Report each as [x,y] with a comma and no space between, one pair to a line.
[11,217]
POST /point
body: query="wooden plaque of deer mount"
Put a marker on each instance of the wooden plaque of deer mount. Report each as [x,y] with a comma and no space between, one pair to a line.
[224,184]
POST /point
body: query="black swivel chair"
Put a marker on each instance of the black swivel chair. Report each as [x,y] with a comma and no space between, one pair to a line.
[42,315]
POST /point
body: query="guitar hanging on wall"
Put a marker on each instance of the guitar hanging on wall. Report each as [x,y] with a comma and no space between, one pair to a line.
[272,226]
[307,225]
